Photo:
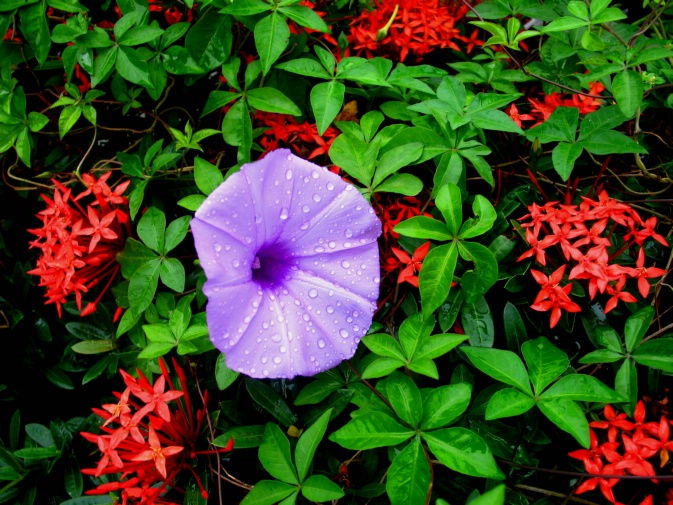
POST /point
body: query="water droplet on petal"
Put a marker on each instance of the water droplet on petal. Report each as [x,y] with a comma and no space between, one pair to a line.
[329,309]
[288,173]
[316,198]
[330,186]
[306,208]
[236,263]
[321,343]
[313,293]
[346,264]
[284,213]
[277,360]
[217,247]
[276,337]
[343,333]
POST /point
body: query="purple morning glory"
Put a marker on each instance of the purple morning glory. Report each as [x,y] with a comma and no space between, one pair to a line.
[292,262]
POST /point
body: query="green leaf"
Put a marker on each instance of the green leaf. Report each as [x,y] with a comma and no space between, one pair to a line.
[36,30]
[626,382]
[134,255]
[272,36]
[236,126]
[395,159]
[601,356]
[408,479]
[224,376]
[191,202]
[561,126]
[308,443]
[611,142]
[436,276]
[246,8]
[568,416]
[477,322]
[93,346]
[475,283]
[449,203]
[627,88]
[355,157]
[143,285]
[269,400]
[636,326]
[140,35]
[268,492]
[482,222]
[383,345]
[271,100]
[414,330]
[381,367]
[405,397]
[209,40]
[545,362]
[131,67]
[508,402]
[656,353]
[581,387]
[318,488]
[515,328]
[305,17]
[306,67]
[602,119]
[437,345]
[326,101]
[423,227]
[37,121]
[151,228]
[317,391]
[67,119]
[369,431]
[503,366]
[245,437]
[494,120]
[563,157]
[37,453]
[176,233]
[402,184]
[443,405]
[274,454]
[463,451]
[217,100]
[564,24]
[103,65]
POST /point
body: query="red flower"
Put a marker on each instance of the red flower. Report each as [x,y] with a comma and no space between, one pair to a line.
[159,448]
[412,265]
[642,274]
[513,112]
[79,247]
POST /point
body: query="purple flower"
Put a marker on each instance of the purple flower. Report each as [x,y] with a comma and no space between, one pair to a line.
[292,262]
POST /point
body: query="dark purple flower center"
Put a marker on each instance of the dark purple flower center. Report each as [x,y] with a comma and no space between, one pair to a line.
[269,267]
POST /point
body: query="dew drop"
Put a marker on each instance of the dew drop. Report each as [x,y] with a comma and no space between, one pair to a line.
[321,343]
[217,247]
[332,244]
[315,174]
[343,333]
[227,247]
[276,337]
[236,263]
[306,209]
[329,309]
[283,349]
[316,198]
[348,233]
[284,213]
[313,293]
[346,264]
[248,239]
[277,360]
[330,186]
[288,173]
[319,249]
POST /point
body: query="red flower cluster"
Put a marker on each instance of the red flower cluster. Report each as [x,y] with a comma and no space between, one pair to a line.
[392,257]
[152,442]
[627,451]
[284,130]
[541,110]
[578,233]
[410,265]
[396,28]
[79,246]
